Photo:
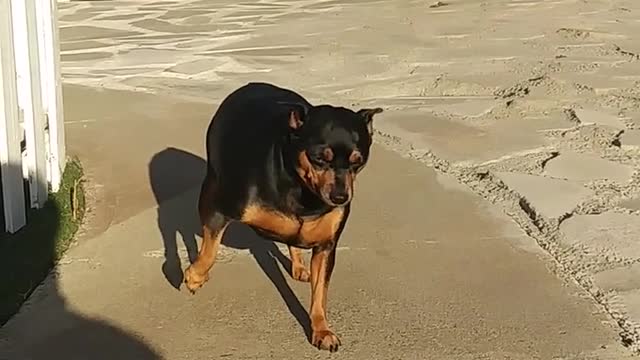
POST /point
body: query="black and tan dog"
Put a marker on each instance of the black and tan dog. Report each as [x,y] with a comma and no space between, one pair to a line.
[286,168]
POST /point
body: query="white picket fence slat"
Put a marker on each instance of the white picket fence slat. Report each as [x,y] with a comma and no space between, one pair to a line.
[48,41]
[30,107]
[10,131]
[30,97]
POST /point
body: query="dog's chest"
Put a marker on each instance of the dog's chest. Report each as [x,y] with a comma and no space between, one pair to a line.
[298,231]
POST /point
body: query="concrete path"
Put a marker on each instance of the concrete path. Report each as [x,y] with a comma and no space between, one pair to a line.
[496,220]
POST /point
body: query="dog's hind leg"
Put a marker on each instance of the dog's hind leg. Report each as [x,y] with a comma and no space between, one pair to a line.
[198,273]
[298,270]
[214,224]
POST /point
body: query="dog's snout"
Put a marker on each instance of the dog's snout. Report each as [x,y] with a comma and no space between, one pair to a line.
[338,196]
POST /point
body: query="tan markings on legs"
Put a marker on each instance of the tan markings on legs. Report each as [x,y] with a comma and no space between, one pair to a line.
[298,270]
[198,273]
[331,261]
[321,230]
[318,267]
[321,337]
[271,221]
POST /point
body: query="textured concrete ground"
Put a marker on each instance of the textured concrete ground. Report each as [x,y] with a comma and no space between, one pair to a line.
[497,220]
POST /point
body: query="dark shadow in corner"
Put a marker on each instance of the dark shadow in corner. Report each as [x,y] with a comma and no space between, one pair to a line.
[173,172]
[47,328]
[176,172]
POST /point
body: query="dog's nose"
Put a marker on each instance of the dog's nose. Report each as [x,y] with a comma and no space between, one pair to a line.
[338,197]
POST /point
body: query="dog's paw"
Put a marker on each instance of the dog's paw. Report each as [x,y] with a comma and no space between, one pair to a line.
[193,280]
[300,273]
[325,340]
[173,272]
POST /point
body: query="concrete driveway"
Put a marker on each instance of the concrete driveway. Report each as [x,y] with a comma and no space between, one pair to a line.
[495,221]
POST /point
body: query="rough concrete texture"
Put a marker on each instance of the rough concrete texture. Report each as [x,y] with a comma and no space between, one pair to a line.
[580,167]
[549,197]
[610,235]
[619,279]
[630,139]
[631,204]
[476,247]
[588,117]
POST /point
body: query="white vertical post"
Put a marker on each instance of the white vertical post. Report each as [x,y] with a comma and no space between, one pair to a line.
[25,43]
[48,38]
[10,134]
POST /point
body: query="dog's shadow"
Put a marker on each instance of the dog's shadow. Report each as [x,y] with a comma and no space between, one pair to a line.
[176,176]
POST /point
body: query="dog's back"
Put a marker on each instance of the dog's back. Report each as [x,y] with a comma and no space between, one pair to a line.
[246,124]
[244,132]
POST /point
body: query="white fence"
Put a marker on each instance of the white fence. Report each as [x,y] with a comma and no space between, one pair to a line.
[31,118]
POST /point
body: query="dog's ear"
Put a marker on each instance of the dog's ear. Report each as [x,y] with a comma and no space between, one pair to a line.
[297,113]
[367,115]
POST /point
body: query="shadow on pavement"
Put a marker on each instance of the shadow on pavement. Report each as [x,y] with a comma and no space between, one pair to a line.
[174,172]
[171,173]
[46,328]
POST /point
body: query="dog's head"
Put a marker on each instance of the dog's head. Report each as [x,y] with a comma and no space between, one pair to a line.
[331,147]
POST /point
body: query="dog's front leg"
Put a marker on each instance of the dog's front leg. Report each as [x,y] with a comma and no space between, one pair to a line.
[322,263]
[323,260]
[298,270]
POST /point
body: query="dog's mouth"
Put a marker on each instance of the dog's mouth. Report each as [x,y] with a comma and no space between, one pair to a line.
[330,195]
[335,198]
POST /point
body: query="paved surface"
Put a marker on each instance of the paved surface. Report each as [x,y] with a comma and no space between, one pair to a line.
[497,220]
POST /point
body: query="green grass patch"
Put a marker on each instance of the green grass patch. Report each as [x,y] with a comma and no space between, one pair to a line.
[27,256]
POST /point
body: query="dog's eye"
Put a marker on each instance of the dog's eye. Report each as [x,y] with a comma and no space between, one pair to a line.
[318,160]
[321,157]
[355,159]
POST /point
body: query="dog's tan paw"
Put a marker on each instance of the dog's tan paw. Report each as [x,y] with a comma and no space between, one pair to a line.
[300,273]
[325,340]
[193,280]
